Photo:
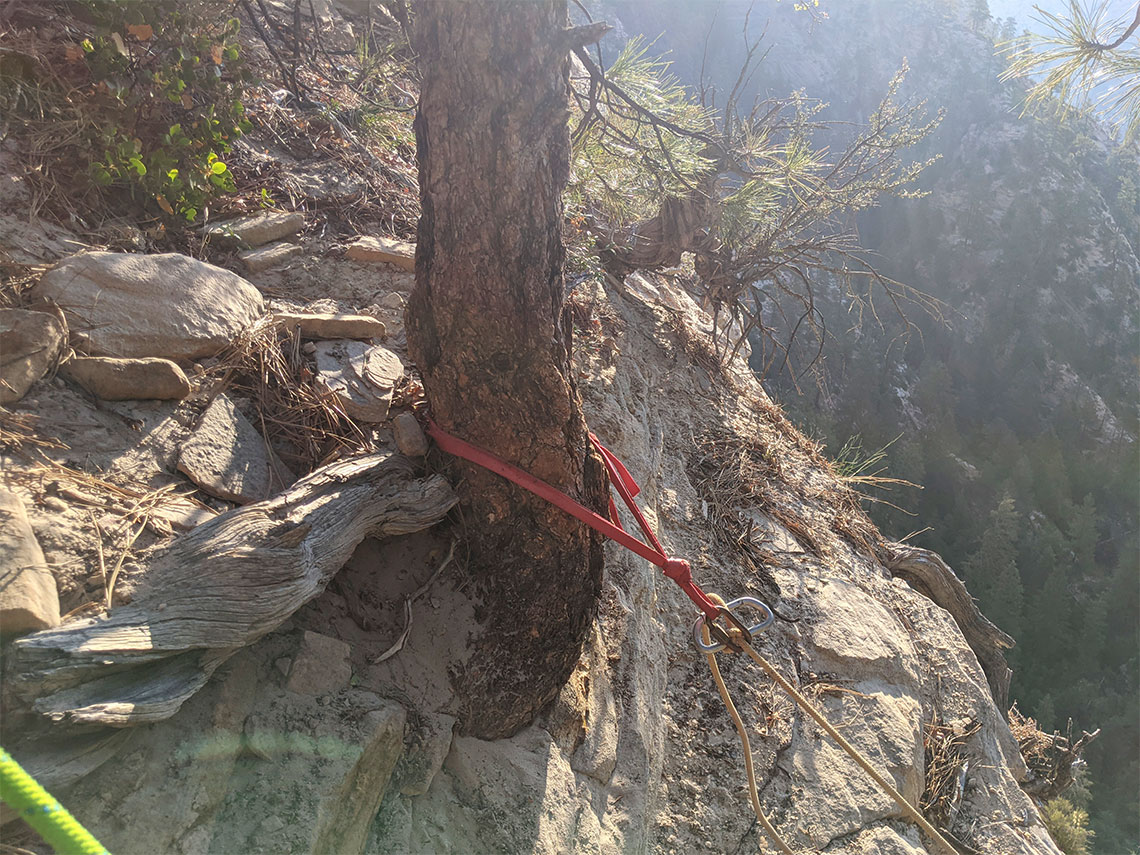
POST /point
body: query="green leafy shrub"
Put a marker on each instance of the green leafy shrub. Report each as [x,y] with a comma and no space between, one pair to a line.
[165,79]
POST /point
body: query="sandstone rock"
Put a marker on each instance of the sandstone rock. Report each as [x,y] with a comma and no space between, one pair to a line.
[330,772]
[167,305]
[228,458]
[30,344]
[128,379]
[420,765]
[597,755]
[257,229]
[256,260]
[362,377]
[329,325]
[389,250]
[409,435]
[321,666]
[28,597]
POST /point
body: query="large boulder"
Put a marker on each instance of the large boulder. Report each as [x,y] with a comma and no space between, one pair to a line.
[30,344]
[167,305]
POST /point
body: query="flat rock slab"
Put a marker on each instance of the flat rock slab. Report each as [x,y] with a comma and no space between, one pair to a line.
[265,257]
[167,305]
[29,600]
[384,249]
[328,325]
[257,229]
[431,742]
[226,457]
[361,376]
[30,344]
[128,379]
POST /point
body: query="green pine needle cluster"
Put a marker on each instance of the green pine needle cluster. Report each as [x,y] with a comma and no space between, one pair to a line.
[1076,54]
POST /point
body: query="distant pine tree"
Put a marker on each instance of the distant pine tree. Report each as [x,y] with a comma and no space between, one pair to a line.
[1083,537]
[991,572]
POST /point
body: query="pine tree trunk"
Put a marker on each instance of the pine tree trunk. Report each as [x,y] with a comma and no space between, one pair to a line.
[486,329]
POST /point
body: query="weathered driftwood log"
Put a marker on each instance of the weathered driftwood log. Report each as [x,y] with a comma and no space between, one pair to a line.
[215,590]
[927,573]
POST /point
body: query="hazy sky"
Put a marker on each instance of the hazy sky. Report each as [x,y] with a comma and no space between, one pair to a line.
[1023,10]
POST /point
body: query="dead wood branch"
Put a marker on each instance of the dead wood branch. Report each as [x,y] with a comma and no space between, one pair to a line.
[928,574]
[1051,758]
[217,589]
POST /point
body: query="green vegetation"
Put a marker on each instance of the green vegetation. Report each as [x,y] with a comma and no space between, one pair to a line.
[145,104]
[1083,60]
[1068,826]
[150,63]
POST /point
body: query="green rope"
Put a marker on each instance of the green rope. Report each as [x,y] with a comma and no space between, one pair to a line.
[43,813]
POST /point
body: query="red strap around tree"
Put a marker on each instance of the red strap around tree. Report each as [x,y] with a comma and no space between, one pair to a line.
[677,569]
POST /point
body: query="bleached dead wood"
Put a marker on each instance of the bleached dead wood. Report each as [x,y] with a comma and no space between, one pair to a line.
[927,573]
[215,590]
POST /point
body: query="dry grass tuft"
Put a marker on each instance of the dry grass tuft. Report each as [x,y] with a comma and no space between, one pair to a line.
[15,280]
[947,764]
[768,470]
[305,424]
[18,433]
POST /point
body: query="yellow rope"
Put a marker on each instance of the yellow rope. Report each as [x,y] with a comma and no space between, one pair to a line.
[731,707]
[741,639]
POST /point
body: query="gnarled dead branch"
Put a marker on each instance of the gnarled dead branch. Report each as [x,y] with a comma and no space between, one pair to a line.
[215,590]
[927,573]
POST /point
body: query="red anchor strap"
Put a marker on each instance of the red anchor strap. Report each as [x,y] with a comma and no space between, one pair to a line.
[677,569]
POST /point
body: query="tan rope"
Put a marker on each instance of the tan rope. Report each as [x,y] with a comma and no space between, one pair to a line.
[740,729]
[914,813]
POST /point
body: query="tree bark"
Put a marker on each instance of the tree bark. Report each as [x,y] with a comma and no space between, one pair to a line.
[486,330]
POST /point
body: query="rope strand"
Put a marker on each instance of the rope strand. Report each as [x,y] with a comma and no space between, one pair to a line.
[913,812]
[745,744]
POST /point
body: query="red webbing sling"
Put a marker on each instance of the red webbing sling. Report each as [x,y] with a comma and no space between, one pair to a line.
[677,569]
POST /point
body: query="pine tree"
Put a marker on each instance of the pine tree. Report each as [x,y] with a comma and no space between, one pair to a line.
[991,572]
[979,15]
[1083,537]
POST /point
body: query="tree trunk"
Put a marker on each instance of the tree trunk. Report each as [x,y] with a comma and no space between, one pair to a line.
[486,329]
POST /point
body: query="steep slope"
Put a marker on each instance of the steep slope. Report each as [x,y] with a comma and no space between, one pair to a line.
[637,755]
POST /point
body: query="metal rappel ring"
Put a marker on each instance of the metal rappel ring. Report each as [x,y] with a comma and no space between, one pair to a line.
[717,646]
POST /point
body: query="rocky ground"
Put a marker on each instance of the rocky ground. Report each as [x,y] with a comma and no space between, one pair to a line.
[292,742]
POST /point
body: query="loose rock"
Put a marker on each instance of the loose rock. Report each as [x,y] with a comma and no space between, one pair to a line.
[228,458]
[256,260]
[383,249]
[30,344]
[409,435]
[128,379]
[167,305]
[328,325]
[257,229]
[29,600]
[321,666]
[361,377]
